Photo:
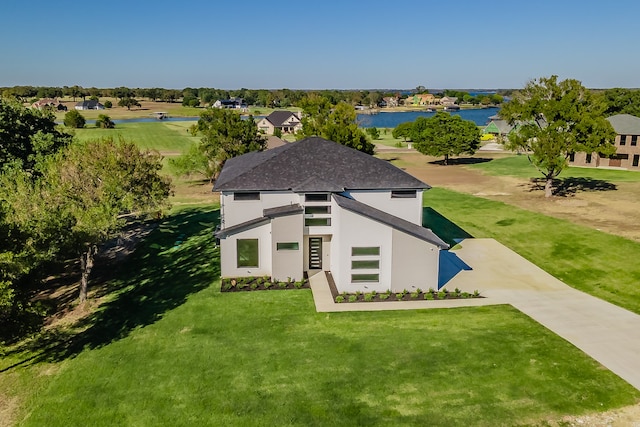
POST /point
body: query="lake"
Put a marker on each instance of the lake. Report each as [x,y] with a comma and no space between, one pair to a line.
[479,116]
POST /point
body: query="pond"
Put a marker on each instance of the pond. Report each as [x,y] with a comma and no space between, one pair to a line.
[480,116]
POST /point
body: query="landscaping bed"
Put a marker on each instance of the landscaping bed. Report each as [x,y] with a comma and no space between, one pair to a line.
[264,283]
[405,295]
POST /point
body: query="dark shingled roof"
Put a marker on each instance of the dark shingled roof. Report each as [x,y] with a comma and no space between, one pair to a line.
[268,214]
[313,164]
[277,118]
[390,220]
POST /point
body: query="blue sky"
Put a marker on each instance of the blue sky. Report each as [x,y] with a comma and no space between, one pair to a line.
[302,44]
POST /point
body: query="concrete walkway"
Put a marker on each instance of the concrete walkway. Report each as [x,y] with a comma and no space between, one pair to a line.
[606,332]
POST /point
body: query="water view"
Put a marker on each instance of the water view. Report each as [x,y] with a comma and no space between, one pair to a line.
[392,119]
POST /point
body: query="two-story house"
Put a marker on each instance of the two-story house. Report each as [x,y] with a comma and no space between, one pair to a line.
[627,145]
[286,121]
[316,205]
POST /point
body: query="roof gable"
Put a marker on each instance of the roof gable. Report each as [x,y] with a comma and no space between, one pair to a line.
[313,164]
[280,117]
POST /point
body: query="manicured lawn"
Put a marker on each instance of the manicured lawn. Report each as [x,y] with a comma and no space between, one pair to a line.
[170,349]
[598,263]
[519,166]
[162,136]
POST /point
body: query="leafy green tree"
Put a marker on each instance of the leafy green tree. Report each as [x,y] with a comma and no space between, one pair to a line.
[73,119]
[103,121]
[225,134]
[403,131]
[556,119]
[337,124]
[108,104]
[128,102]
[445,135]
[622,101]
[93,186]
[27,134]
[374,133]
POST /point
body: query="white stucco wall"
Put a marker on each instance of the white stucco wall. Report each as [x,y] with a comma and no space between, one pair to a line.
[287,263]
[228,253]
[409,209]
[238,211]
[352,230]
[414,263]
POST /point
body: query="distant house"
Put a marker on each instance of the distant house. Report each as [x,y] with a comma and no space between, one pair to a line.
[51,103]
[232,103]
[627,155]
[390,101]
[315,206]
[286,121]
[420,99]
[92,104]
[498,127]
[448,100]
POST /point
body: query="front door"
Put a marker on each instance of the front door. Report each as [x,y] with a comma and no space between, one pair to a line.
[315,253]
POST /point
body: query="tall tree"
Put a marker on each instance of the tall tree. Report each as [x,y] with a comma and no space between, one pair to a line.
[225,134]
[445,135]
[93,186]
[27,134]
[555,119]
[337,123]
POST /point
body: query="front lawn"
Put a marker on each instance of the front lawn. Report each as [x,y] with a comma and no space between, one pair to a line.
[169,348]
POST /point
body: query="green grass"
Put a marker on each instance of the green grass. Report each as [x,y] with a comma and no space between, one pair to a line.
[598,263]
[520,167]
[162,136]
[169,349]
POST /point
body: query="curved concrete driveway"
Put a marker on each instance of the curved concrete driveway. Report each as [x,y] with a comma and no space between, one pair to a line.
[606,332]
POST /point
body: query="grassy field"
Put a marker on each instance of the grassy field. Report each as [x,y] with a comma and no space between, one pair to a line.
[520,167]
[586,259]
[169,349]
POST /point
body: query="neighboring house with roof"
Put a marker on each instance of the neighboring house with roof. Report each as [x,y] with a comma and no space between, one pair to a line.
[498,127]
[627,155]
[286,121]
[448,100]
[314,206]
[390,101]
[51,103]
[232,103]
[421,99]
[91,104]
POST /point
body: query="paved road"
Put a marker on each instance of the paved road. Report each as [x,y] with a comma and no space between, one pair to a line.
[606,332]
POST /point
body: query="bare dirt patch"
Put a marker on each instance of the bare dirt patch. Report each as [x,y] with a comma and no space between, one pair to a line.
[613,211]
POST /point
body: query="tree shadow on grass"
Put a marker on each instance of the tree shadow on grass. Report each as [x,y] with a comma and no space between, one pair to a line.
[176,260]
[462,161]
[566,187]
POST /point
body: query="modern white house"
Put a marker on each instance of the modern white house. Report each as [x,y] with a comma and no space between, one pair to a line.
[315,205]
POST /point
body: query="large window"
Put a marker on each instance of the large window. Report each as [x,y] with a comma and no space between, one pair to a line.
[634,140]
[365,250]
[317,222]
[287,246]
[636,160]
[623,139]
[317,209]
[246,196]
[588,160]
[403,194]
[316,197]
[247,252]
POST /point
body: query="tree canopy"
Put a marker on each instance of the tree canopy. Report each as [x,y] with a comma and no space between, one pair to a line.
[73,119]
[336,123]
[555,119]
[225,134]
[27,134]
[445,135]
